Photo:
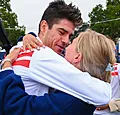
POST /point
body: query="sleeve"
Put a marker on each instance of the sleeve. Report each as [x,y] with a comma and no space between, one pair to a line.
[114,105]
[15,101]
[8,68]
[21,37]
[54,71]
[119,71]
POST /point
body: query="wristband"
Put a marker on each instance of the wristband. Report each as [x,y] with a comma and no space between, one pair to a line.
[5,60]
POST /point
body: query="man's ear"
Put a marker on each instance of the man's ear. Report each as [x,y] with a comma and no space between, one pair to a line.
[77,58]
[43,26]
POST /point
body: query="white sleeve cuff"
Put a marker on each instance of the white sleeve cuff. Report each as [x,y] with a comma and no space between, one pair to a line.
[8,68]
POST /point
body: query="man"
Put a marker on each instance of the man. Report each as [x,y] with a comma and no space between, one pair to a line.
[57,102]
[56,27]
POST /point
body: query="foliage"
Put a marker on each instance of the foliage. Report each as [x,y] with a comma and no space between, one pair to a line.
[10,22]
[79,29]
[106,20]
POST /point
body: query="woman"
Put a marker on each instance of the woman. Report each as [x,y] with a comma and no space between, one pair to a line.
[91,52]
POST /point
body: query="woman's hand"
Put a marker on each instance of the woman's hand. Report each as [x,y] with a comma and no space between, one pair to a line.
[30,42]
[10,58]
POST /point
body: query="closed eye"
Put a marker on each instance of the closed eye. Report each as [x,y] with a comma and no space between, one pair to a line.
[61,32]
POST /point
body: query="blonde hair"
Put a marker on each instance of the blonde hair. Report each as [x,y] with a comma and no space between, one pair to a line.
[97,52]
[112,43]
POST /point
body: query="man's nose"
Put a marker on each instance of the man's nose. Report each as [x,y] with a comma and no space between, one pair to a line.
[65,40]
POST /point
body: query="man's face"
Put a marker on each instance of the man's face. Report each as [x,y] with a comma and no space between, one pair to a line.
[57,38]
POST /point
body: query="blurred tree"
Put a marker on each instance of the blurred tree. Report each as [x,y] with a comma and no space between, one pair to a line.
[10,22]
[79,29]
[106,20]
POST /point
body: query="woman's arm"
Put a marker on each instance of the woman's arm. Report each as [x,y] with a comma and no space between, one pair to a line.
[9,59]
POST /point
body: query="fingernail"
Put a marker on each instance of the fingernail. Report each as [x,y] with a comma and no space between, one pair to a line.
[43,46]
[38,48]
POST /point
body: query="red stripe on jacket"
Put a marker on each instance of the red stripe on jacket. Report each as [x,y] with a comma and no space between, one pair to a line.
[115,72]
[23,62]
[22,54]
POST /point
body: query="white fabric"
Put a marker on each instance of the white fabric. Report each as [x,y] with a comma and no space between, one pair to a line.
[19,44]
[115,84]
[49,68]
[8,68]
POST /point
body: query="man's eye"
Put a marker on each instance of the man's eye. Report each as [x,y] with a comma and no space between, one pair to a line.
[61,32]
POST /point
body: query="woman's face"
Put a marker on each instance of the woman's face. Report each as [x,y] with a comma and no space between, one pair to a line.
[71,52]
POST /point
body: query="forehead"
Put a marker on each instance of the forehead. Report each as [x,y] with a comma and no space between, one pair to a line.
[65,25]
[75,40]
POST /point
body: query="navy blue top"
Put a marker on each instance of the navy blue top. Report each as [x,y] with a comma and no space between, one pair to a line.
[14,100]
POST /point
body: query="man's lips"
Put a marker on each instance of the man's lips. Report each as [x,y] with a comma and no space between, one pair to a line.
[61,47]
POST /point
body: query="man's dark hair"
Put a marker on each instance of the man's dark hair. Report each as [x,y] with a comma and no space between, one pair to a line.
[58,10]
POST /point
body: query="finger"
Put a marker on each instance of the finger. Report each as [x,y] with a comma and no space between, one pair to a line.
[25,44]
[29,47]
[38,43]
[33,45]
[24,47]
[98,109]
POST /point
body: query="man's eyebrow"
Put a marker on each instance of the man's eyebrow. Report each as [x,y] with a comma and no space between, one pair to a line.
[66,31]
[63,30]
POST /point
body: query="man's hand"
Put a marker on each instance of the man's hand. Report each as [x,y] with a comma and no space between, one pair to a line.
[30,42]
[102,107]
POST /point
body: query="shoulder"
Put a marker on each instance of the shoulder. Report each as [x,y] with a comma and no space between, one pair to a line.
[47,53]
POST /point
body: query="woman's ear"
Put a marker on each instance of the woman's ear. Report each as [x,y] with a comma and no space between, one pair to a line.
[43,27]
[77,58]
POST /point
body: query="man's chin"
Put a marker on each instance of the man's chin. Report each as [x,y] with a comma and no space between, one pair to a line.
[59,52]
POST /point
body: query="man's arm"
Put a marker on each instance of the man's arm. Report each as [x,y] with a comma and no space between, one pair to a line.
[54,71]
[113,105]
[73,85]
[61,75]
